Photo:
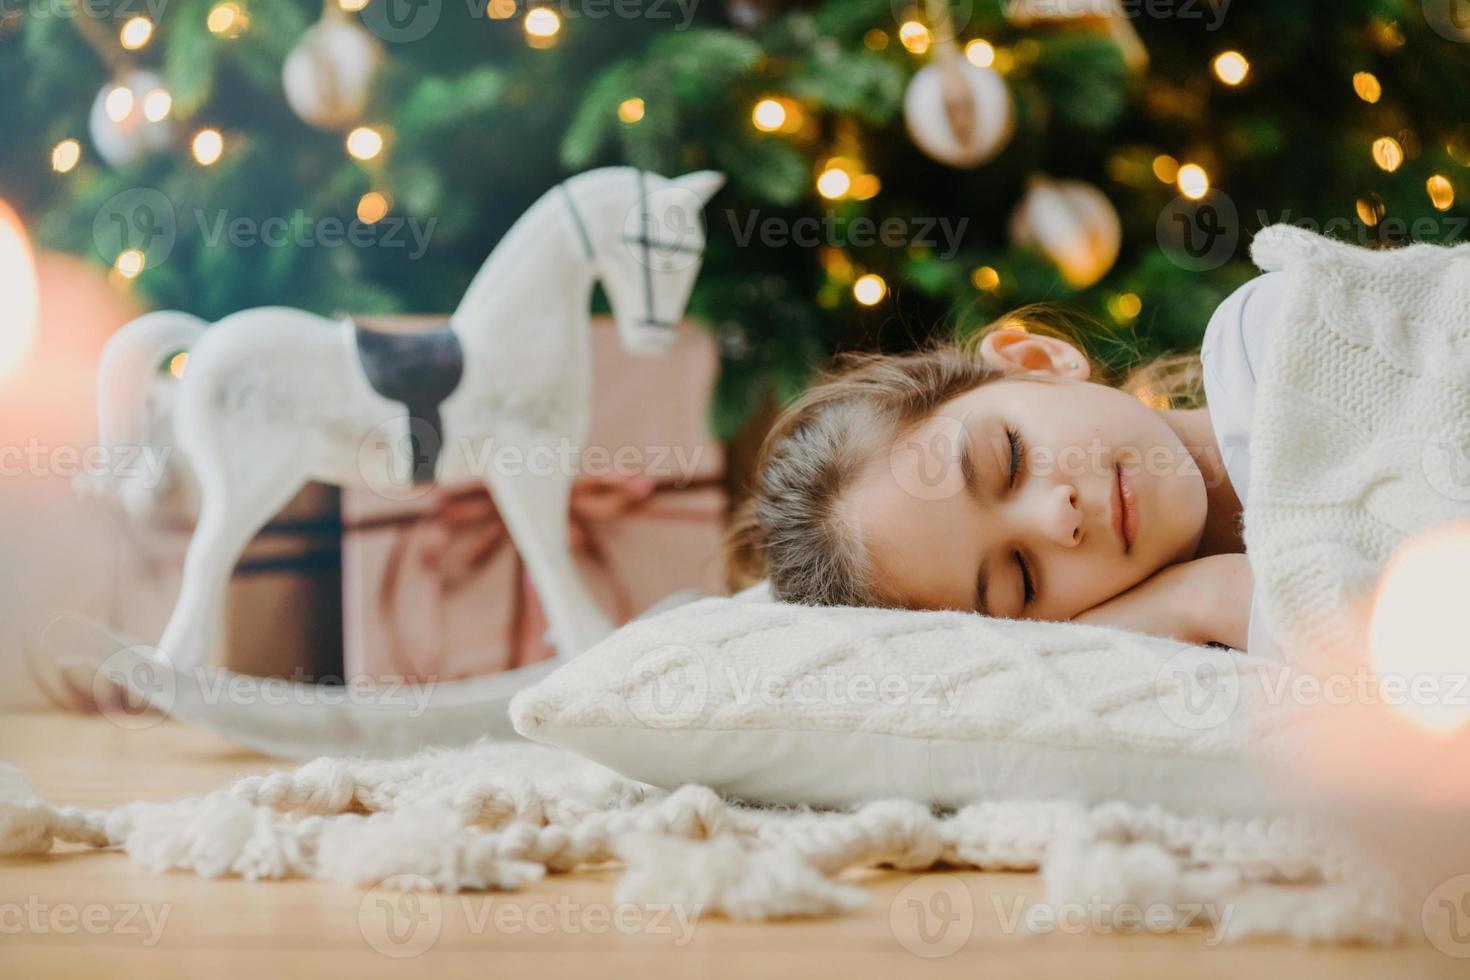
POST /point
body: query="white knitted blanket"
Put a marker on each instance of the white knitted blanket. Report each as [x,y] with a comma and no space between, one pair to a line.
[1361,432]
[499,815]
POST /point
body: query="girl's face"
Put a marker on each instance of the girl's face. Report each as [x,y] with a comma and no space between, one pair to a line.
[1036,496]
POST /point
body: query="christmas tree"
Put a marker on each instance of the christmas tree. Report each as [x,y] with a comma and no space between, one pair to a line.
[897,170]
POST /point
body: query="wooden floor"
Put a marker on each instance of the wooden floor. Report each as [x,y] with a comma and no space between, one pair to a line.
[78,913]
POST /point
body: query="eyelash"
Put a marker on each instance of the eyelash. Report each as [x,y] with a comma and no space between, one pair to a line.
[1018,453]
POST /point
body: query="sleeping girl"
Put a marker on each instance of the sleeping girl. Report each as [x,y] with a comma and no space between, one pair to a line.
[1001,477]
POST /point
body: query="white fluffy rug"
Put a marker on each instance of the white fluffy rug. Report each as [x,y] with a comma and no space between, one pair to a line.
[497,815]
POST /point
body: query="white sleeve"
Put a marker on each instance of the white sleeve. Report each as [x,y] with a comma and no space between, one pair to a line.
[1232,356]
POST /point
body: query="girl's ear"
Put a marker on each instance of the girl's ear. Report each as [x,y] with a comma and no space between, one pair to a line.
[1019,352]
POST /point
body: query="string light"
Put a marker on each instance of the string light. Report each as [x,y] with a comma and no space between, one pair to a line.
[980,53]
[373,207]
[1388,153]
[1166,168]
[364,143]
[542,25]
[178,364]
[865,187]
[1366,84]
[156,105]
[136,33]
[1125,307]
[208,147]
[1370,212]
[834,182]
[631,110]
[352,6]
[119,103]
[876,40]
[869,289]
[1231,67]
[768,115]
[915,36]
[130,263]
[985,278]
[1193,182]
[838,265]
[501,9]
[1441,192]
[227,20]
[65,156]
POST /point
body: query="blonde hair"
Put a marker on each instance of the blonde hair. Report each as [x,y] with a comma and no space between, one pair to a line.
[793,528]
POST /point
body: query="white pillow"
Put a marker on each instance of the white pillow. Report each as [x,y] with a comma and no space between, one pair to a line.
[827,706]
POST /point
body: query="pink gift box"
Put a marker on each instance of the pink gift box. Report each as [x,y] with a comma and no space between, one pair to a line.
[433,588]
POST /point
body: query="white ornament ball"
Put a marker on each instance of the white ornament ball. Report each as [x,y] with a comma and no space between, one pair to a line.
[1074,224]
[329,74]
[119,124]
[958,113]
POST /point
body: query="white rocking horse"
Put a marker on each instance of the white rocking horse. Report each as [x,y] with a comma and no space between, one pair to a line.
[275,397]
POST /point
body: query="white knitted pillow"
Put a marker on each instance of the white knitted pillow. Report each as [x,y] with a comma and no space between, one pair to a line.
[827,706]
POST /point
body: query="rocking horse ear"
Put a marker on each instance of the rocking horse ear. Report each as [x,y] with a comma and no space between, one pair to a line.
[704,183]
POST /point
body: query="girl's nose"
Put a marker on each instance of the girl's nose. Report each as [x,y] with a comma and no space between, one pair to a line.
[1061,517]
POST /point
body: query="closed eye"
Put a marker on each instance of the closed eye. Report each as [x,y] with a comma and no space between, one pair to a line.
[1028,584]
[1018,451]
[1018,456]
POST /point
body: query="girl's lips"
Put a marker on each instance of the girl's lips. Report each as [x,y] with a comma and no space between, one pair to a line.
[1127,517]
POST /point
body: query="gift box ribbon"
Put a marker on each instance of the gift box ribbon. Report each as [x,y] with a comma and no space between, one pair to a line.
[440,550]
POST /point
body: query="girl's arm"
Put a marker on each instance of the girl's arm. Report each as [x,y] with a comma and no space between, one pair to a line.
[1207,600]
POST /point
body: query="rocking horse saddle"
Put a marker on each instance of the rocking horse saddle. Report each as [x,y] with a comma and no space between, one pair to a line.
[419,370]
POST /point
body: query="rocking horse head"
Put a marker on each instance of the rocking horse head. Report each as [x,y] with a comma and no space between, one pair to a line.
[644,237]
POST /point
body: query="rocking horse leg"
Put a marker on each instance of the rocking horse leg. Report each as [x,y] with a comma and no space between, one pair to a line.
[535,507]
[235,506]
